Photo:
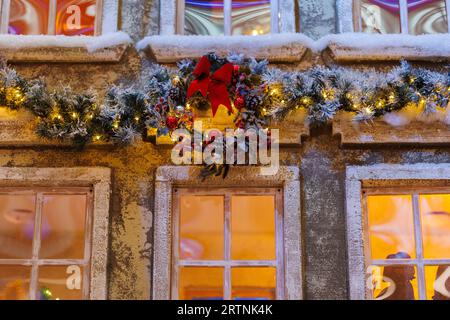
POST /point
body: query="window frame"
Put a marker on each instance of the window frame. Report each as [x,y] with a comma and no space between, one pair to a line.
[358,242]
[404,26]
[106,17]
[227,263]
[172,17]
[170,177]
[95,179]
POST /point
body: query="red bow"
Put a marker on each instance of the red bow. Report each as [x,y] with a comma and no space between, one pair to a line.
[215,85]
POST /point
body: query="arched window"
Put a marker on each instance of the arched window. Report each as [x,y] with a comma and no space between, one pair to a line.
[401,16]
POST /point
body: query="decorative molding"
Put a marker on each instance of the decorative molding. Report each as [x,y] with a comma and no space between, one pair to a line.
[169,176]
[97,177]
[355,175]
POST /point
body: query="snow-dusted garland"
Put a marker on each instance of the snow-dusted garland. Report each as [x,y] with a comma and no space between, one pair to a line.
[160,104]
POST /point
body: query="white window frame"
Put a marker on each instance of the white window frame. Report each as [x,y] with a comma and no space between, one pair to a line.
[227,263]
[349,16]
[357,242]
[170,177]
[65,180]
[172,17]
[106,18]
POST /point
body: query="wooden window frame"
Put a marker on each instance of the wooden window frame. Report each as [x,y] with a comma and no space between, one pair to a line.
[93,181]
[172,17]
[419,261]
[358,243]
[106,17]
[35,262]
[228,262]
[170,177]
[404,28]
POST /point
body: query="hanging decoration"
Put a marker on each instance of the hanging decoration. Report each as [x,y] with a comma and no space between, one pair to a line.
[167,98]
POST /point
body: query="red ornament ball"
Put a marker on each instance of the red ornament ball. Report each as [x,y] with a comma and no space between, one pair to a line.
[172,122]
[239,103]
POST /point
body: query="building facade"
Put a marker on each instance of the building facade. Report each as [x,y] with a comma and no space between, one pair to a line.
[348,203]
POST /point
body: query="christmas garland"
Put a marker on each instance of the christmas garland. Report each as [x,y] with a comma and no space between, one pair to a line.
[166,98]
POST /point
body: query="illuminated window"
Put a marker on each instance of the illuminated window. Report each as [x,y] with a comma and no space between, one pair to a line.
[228,244]
[402,16]
[229,17]
[408,243]
[44,237]
[57,17]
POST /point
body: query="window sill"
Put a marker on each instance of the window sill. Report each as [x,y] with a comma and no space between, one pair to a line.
[378,132]
[80,49]
[371,48]
[281,48]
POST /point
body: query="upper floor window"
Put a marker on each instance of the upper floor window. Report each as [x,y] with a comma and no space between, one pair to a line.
[52,17]
[228,17]
[402,16]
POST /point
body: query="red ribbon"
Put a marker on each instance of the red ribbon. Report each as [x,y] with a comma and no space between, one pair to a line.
[215,86]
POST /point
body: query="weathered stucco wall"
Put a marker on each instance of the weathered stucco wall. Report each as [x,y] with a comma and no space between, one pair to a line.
[317,17]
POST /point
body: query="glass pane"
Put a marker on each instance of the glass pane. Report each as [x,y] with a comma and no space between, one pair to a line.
[253,228]
[427,16]
[380,16]
[16,226]
[395,283]
[435,214]
[201,227]
[28,17]
[250,17]
[200,283]
[62,227]
[391,226]
[14,282]
[437,280]
[60,283]
[253,283]
[75,17]
[203,17]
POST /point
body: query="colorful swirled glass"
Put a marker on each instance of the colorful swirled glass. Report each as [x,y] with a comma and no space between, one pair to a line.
[380,16]
[427,16]
[28,17]
[250,17]
[204,17]
[75,17]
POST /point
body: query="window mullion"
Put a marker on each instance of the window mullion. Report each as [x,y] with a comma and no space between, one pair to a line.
[227,12]
[403,16]
[5,16]
[419,247]
[274,16]
[227,246]
[447,10]
[36,245]
[52,18]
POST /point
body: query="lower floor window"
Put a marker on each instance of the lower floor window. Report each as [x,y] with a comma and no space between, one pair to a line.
[228,244]
[408,237]
[44,237]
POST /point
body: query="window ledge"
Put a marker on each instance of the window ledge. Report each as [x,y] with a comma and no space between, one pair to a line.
[83,49]
[378,132]
[282,48]
[369,47]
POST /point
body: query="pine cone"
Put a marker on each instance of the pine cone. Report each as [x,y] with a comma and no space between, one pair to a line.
[253,102]
[175,94]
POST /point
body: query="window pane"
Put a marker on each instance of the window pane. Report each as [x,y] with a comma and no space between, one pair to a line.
[28,17]
[17,214]
[62,226]
[438,282]
[201,227]
[380,16]
[391,226]
[395,283]
[62,282]
[253,228]
[253,283]
[200,283]
[75,17]
[14,282]
[203,17]
[435,214]
[250,17]
[427,16]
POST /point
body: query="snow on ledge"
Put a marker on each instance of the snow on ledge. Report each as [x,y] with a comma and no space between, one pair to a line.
[285,47]
[91,44]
